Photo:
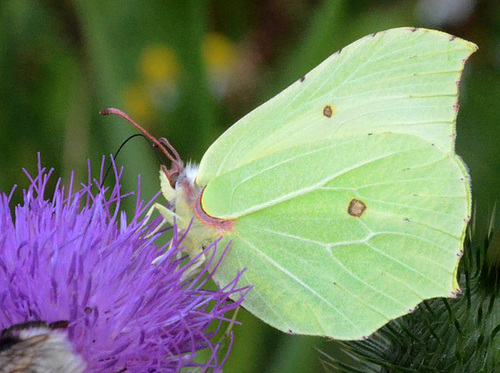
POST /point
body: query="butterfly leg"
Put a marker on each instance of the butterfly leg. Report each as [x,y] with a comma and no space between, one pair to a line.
[194,268]
[190,270]
[168,217]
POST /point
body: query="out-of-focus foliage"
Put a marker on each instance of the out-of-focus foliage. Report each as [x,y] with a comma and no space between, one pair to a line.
[187,70]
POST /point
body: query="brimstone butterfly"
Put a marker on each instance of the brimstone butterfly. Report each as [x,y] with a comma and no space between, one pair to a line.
[342,196]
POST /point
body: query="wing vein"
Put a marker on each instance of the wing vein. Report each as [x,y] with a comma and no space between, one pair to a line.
[301,283]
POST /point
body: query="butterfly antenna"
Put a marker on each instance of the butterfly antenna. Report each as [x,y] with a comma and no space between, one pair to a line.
[171,154]
[115,156]
[170,147]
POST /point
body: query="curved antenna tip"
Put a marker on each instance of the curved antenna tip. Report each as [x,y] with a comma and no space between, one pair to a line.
[110,110]
[172,156]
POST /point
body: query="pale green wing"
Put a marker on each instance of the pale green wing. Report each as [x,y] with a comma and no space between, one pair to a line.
[401,80]
[339,237]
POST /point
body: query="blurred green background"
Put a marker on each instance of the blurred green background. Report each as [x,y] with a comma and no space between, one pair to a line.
[187,70]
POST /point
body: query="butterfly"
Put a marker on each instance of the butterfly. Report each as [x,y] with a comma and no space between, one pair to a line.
[342,196]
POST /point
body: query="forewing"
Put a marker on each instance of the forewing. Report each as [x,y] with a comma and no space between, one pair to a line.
[401,80]
[340,237]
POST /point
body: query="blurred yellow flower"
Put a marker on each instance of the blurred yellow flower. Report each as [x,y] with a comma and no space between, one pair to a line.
[220,56]
[158,71]
[159,64]
[219,53]
[138,103]
[155,87]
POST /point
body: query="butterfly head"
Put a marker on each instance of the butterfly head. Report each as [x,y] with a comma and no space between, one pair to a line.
[179,187]
[176,164]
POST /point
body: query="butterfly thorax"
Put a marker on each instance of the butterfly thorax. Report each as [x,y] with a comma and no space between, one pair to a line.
[186,199]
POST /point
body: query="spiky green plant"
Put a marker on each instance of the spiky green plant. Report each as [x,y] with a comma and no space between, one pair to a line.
[441,335]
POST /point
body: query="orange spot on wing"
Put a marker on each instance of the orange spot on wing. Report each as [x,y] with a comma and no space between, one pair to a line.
[221,225]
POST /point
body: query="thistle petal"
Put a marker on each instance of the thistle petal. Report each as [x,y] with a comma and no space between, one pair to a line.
[74,257]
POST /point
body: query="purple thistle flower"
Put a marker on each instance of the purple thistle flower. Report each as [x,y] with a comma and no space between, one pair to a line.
[75,258]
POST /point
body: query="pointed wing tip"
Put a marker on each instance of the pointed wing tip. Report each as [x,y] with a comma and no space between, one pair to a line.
[472,47]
